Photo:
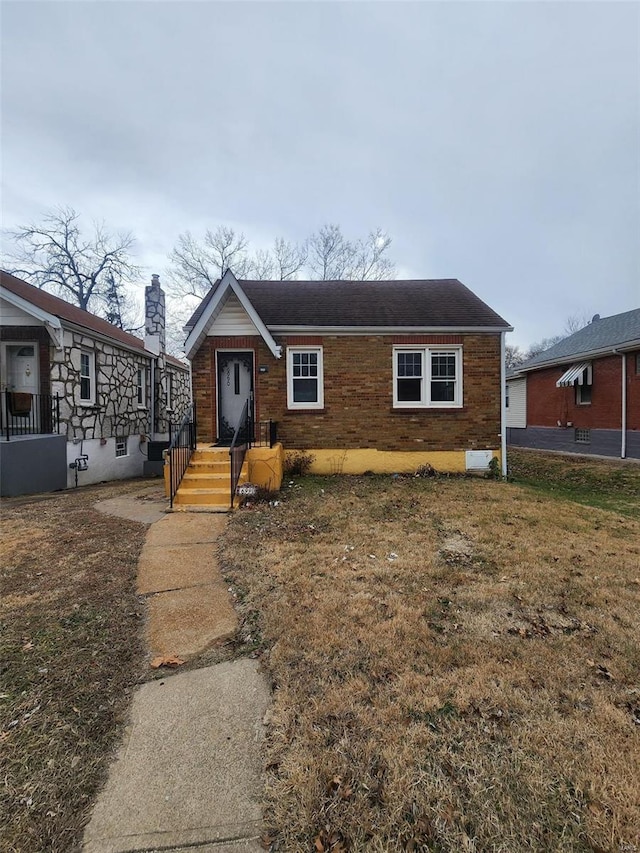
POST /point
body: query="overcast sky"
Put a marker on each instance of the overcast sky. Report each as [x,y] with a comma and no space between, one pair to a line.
[497,142]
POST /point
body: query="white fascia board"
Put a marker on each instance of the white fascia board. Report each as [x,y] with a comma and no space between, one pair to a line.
[388,330]
[51,322]
[199,331]
[612,349]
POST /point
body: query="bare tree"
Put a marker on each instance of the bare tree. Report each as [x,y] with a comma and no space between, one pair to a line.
[195,266]
[513,356]
[262,265]
[369,261]
[331,255]
[87,270]
[575,322]
[289,258]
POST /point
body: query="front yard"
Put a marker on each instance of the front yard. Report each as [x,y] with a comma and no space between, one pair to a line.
[455,662]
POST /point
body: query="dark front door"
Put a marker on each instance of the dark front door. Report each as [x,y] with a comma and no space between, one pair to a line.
[235,387]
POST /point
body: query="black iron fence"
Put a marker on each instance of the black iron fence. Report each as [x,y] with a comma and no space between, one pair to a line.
[28,414]
[182,443]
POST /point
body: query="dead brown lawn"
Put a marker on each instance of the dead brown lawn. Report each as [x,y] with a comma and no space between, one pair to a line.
[455,666]
[70,652]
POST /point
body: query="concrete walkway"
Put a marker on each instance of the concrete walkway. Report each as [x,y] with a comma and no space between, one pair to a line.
[188,773]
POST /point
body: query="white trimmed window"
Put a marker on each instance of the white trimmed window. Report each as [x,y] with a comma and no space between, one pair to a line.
[427,377]
[305,378]
[87,376]
[141,392]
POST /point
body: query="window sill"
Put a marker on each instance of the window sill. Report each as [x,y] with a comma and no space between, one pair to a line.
[143,409]
[412,410]
[85,404]
[297,411]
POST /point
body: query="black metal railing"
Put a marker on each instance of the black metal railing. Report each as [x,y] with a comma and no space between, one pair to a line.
[29,414]
[265,433]
[240,443]
[182,443]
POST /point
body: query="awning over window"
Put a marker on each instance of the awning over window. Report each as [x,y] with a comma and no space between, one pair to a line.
[577,372]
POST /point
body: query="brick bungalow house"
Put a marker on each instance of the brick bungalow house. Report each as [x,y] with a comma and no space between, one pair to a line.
[81,401]
[583,394]
[378,376]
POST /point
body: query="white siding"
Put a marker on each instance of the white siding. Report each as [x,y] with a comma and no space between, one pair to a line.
[13,316]
[232,320]
[517,411]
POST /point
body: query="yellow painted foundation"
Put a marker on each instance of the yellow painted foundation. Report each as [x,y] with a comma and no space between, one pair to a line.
[385,461]
[265,466]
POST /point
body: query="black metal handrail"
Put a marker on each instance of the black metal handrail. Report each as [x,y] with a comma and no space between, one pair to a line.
[182,444]
[240,444]
[29,414]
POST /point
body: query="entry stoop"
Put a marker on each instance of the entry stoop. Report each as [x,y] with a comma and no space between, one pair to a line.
[206,484]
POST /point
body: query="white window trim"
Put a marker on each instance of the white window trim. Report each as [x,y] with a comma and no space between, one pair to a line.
[141,373]
[91,399]
[291,404]
[425,402]
[122,439]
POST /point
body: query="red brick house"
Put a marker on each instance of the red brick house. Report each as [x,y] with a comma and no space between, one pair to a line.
[583,394]
[365,376]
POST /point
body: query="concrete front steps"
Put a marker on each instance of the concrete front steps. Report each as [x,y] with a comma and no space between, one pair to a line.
[206,485]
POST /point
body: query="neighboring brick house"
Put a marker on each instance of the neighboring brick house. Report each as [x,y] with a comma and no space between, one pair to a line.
[366,376]
[75,387]
[583,394]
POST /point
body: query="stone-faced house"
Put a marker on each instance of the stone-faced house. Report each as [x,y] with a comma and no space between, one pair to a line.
[363,375]
[583,394]
[82,401]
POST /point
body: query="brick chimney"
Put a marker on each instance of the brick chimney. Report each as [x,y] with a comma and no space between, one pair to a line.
[154,314]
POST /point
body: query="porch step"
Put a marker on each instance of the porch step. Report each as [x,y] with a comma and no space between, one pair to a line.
[205,484]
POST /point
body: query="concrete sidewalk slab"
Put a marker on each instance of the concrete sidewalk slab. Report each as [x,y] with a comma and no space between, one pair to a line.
[146,506]
[184,622]
[162,568]
[188,772]
[185,529]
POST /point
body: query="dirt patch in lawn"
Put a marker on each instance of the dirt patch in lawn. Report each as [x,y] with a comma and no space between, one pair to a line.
[70,653]
[454,663]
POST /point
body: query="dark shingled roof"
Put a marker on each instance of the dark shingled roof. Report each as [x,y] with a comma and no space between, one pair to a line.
[72,314]
[427,302]
[605,333]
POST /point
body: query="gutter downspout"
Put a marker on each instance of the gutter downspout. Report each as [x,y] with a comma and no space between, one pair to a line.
[623,413]
[623,448]
[503,405]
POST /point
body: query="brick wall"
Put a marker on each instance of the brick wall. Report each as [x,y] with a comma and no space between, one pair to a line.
[358,395]
[11,334]
[546,404]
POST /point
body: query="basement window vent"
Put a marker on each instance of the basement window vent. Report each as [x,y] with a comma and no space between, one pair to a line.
[121,445]
[583,436]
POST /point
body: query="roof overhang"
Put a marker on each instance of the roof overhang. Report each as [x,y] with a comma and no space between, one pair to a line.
[388,330]
[228,284]
[580,373]
[611,349]
[51,323]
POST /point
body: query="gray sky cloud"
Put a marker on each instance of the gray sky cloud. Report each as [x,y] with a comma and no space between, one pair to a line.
[497,142]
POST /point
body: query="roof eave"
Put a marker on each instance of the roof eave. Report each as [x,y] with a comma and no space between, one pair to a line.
[611,349]
[386,330]
[51,322]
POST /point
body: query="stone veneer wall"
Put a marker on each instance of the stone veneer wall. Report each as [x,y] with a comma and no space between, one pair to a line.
[115,411]
[180,399]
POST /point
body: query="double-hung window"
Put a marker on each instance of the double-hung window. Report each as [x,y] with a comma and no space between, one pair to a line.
[427,377]
[305,378]
[141,382]
[87,376]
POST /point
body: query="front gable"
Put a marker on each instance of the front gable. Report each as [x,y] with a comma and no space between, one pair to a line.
[238,310]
